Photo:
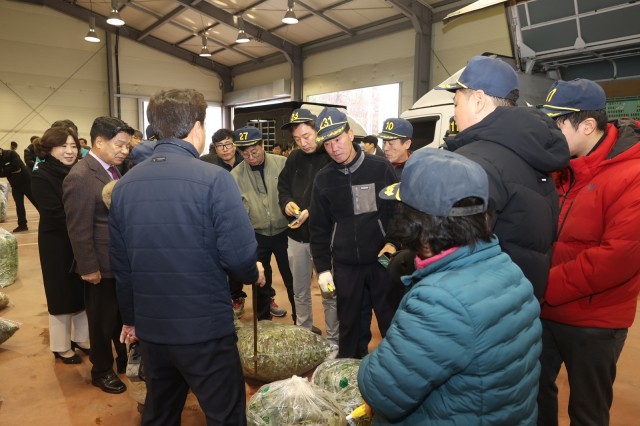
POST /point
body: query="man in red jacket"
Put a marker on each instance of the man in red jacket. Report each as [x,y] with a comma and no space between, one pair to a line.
[591,296]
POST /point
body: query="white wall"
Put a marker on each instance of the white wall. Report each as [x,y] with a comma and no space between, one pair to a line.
[49,72]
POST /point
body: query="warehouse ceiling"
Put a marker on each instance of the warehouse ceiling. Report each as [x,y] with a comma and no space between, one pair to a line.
[177,26]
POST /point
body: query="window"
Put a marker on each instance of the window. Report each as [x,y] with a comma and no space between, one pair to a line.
[370,106]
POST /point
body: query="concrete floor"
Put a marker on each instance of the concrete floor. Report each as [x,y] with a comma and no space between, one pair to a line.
[37,390]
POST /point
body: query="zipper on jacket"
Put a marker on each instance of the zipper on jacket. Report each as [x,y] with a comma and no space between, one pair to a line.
[572,182]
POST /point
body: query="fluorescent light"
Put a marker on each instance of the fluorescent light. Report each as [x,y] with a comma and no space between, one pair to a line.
[290,17]
[242,37]
[204,52]
[114,18]
[91,36]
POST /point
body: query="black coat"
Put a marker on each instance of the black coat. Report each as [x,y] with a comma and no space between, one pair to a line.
[63,288]
[519,148]
[348,221]
[13,168]
[296,182]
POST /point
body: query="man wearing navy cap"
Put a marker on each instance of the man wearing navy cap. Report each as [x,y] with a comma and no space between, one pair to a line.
[348,228]
[294,189]
[518,148]
[257,179]
[396,136]
[591,297]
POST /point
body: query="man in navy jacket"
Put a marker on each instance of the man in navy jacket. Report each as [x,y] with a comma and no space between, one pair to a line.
[178,228]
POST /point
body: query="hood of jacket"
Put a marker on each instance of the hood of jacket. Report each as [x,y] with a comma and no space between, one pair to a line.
[529,133]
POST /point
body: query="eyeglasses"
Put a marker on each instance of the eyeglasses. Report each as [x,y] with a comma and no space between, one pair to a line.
[250,154]
[223,146]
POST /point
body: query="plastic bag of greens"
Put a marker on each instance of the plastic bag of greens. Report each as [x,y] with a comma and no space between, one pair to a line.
[340,377]
[8,258]
[293,401]
[284,350]
[7,328]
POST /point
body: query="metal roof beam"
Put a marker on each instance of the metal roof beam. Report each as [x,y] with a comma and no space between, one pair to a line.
[193,34]
[332,43]
[220,15]
[160,22]
[320,14]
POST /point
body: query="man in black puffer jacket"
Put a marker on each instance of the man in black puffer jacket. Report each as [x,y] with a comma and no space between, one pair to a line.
[518,148]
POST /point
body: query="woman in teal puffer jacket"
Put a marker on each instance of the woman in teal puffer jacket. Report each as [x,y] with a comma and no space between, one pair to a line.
[464,344]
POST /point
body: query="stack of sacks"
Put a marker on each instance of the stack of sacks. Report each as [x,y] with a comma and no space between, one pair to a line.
[8,258]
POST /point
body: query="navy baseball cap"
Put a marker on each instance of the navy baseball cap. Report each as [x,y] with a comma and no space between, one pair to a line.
[395,128]
[300,115]
[566,97]
[330,123]
[491,75]
[434,180]
[247,136]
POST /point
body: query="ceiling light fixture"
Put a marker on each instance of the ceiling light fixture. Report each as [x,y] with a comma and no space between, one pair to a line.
[242,36]
[91,35]
[290,16]
[204,52]
[114,18]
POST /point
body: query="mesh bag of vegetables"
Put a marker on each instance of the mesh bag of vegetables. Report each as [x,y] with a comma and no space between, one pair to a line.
[283,350]
[340,377]
[4,189]
[3,208]
[8,258]
[7,328]
[293,401]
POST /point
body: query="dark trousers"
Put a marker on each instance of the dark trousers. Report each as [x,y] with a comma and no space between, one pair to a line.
[18,193]
[275,245]
[236,288]
[366,315]
[211,369]
[105,326]
[590,356]
[351,281]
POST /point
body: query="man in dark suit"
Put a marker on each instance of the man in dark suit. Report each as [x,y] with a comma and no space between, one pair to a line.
[87,223]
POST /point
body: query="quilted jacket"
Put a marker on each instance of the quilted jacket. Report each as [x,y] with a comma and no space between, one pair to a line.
[595,274]
[463,346]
